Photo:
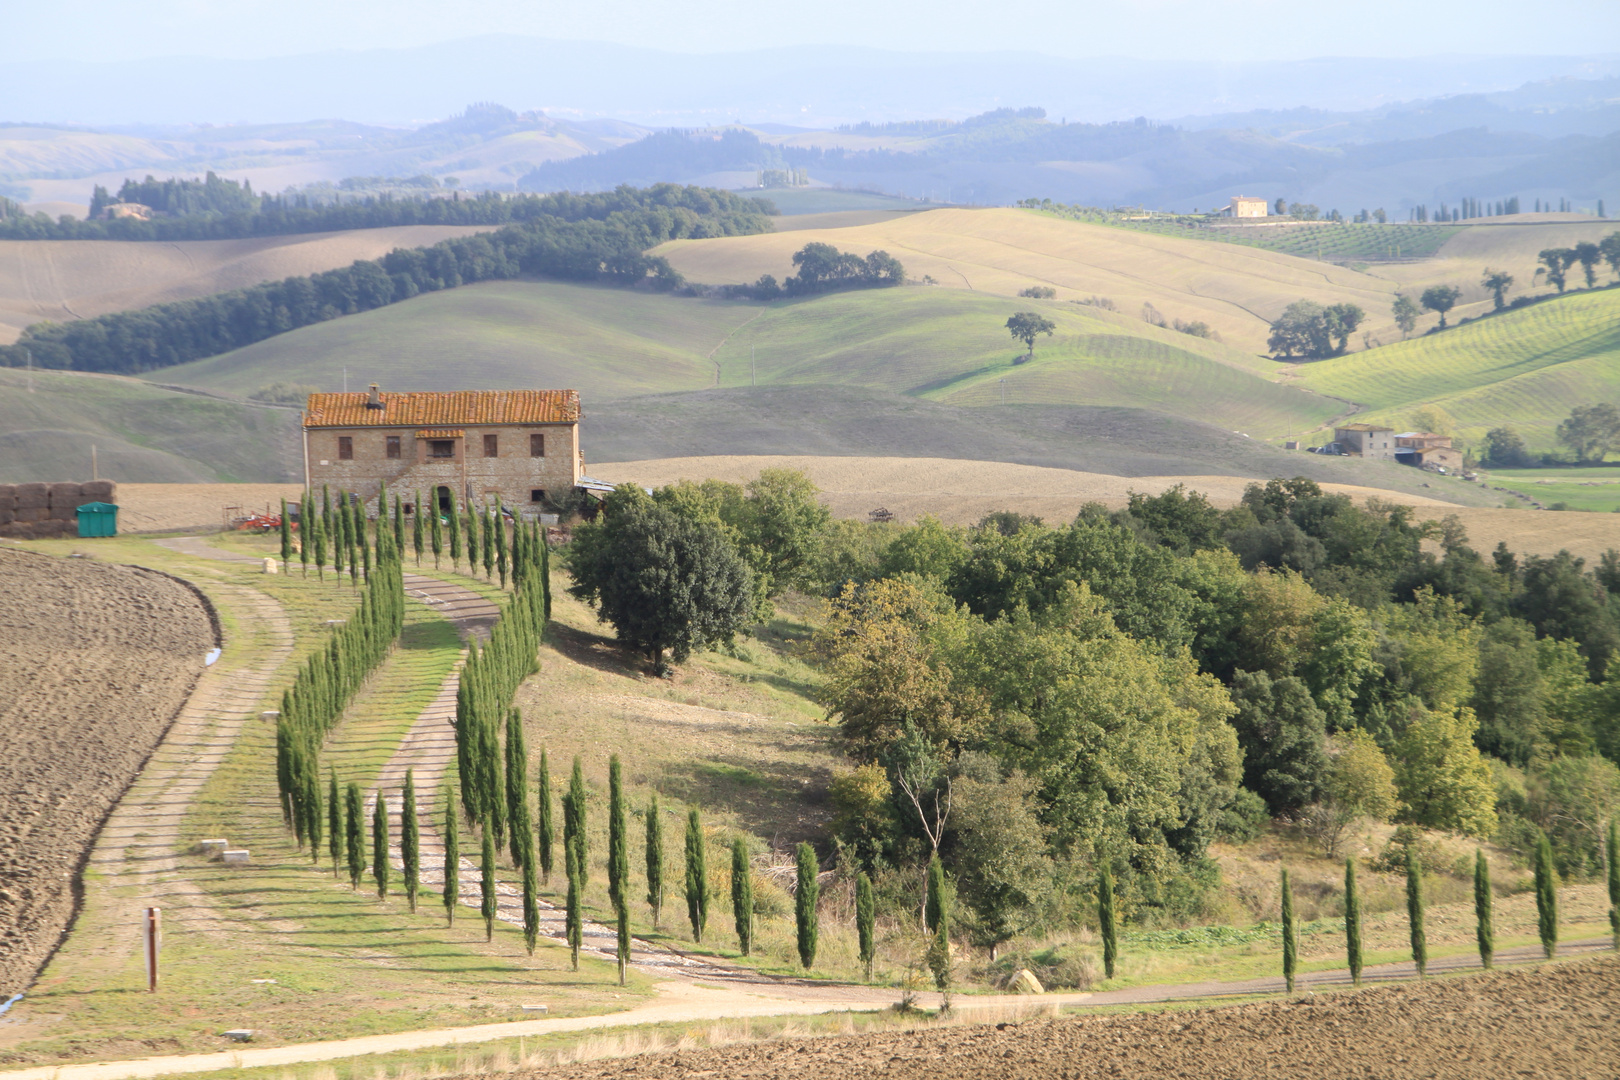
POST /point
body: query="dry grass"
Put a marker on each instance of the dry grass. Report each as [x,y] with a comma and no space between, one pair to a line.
[62,280]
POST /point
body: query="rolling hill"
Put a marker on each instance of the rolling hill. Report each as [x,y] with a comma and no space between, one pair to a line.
[141,432]
[1524,369]
[58,280]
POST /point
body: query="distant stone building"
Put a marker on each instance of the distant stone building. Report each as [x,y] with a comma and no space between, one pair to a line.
[1246,206]
[1425,449]
[138,211]
[1366,440]
[518,446]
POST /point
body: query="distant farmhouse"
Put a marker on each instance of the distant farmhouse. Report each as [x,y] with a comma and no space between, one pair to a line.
[1423,449]
[1245,206]
[518,446]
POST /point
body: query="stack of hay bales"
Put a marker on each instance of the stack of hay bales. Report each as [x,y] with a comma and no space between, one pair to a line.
[45,511]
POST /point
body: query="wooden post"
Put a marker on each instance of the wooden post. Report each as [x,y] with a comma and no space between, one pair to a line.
[152,938]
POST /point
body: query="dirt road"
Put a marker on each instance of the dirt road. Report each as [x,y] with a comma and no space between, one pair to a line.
[95,663]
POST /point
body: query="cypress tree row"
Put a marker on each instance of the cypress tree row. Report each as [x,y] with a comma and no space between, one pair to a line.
[618,842]
[805,897]
[1290,932]
[455,535]
[355,828]
[866,921]
[380,863]
[334,825]
[521,833]
[1612,852]
[934,900]
[531,903]
[435,535]
[410,840]
[1485,930]
[416,528]
[548,828]
[286,537]
[697,875]
[486,883]
[1107,920]
[1352,920]
[1546,897]
[323,687]
[742,895]
[1414,911]
[451,893]
[655,860]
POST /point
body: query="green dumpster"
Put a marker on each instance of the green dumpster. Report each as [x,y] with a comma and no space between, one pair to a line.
[98,519]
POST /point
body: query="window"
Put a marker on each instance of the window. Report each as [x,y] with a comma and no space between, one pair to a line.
[537,495]
[537,446]
[490,448]
[393,446]
[441,448]
[345,448]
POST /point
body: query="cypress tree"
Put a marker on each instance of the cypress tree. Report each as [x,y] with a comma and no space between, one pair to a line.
[500,541]
[575,923]
[1352,920]
[934,902]
[410,840]
[335,835]
[521,833]
[455,535]
[1485,929]
[340,536]
[435,534]
[1290,932]
[866,921]
[365,544]
[452,858]
[1612,851]
[697,875]
[742,895]
[306,521]
[318,527]
[545,573]
[939,950]
[531,906]
[312,807]
[576,805]
[380,863]
[624,941]
[486,883]
[286,537]
[1107,919]
[1414,911]
[416,529]
[548,835]
[328,535]
[618,842]
[486,542]
[357,539]
[655,860]
[804,903]
[1546,897]
[354,822]
[472,541]
[399,524]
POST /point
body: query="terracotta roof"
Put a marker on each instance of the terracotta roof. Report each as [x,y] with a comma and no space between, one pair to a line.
[440,433]
[444,408]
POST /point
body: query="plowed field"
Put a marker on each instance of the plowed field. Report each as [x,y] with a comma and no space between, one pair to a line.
[95,661]
[1561,1021]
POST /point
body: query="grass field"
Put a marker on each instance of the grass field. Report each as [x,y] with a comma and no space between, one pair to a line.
[61,280]
[1525,369]
[141,432]
[1329,241]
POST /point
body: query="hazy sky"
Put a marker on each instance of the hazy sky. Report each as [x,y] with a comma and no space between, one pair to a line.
[1164,29]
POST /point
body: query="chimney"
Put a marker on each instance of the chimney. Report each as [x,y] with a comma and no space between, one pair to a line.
[374,399]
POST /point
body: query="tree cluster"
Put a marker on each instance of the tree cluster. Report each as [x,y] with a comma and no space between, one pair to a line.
[600,239]
[1308,329]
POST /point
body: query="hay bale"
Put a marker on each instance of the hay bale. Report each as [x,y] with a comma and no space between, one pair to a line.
[31,513]
[100,491]
[7,513]
[66,495]
[33,496]
[8,494]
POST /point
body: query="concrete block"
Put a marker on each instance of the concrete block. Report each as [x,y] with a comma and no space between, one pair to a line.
[211,848]
[235,856]
[239,1034]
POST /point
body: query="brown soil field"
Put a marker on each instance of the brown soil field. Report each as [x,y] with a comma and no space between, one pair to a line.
[95,661]
[62,280]
[962,492]
[1561,1020]
[175,507]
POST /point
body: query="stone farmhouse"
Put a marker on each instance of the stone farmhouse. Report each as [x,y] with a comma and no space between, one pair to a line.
[1246,206]
[1366,441]
[518,446]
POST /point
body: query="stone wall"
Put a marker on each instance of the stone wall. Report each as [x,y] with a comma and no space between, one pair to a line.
[44,511]
[512,475]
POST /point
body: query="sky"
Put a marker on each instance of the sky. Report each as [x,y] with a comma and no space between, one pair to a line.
[1235,30]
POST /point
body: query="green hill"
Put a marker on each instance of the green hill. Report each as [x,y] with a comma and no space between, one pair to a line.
[948,346]
[1525,369]
[142,433]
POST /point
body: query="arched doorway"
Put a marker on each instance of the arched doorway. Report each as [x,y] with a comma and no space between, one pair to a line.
[446,502]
